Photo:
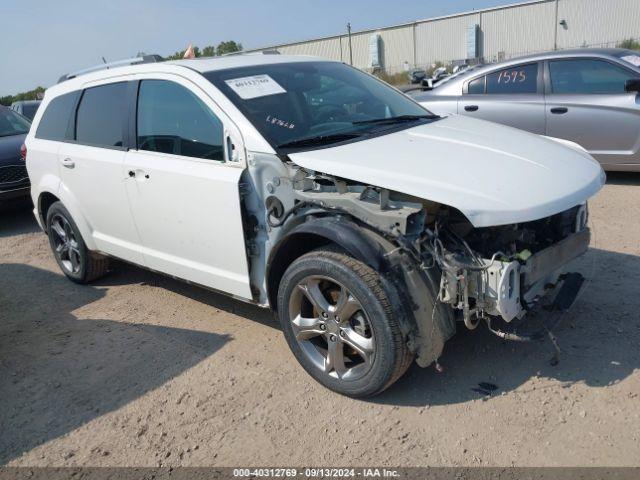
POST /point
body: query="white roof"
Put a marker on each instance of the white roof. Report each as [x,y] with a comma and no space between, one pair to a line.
[243,60]
[198,64]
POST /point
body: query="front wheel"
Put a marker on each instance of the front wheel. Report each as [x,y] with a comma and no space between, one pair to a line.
[74,259]
[339,323]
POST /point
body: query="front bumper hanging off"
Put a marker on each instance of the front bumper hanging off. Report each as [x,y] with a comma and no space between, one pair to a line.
[510,289]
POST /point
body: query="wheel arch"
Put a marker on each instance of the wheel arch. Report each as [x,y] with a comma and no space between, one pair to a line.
[47,198]
[315,233]
[425,322]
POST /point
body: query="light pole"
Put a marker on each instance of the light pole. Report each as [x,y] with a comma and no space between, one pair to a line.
[555,30]
[350,50]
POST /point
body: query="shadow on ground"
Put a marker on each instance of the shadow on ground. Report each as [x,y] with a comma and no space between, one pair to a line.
[17,219]
[65,371]
[599,338]
[127,274]
[623,178]
[58,372]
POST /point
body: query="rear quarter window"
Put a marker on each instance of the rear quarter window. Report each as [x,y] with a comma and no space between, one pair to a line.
[55,120]
[516,79]
[476,87]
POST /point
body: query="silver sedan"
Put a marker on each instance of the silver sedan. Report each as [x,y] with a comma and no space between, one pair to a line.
[588,96]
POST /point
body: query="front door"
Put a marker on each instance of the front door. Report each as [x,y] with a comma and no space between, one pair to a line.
[184,191]
[586,103]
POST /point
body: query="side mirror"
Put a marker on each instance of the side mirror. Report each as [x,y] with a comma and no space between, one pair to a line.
[632,85]
[234,153]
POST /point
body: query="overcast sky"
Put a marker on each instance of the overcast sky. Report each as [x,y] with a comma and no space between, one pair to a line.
[42,39]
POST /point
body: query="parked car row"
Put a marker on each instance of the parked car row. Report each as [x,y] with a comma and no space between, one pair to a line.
[26,108]
[14,181]
[561,94]
[371,226]
[588,96]
[419,76]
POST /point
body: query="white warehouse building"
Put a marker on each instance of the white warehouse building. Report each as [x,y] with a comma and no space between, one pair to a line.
[490,34]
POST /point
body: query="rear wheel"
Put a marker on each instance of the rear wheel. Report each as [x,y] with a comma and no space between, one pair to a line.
[76,262]
[339,324]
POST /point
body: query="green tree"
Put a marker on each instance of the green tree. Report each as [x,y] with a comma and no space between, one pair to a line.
[34,94]
[209,51]
[228,47]
[179,55]
[630,44]
[176,56]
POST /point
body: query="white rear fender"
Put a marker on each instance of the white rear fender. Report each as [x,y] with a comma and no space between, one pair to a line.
[72,204]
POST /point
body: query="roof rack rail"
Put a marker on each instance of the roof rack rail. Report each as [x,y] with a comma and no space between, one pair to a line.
[268,51]
[118,63]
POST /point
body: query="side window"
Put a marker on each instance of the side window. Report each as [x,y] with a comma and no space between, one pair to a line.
[55,120]
[584,76]
[476,87]
[517,79]
[101,115]
[171,119]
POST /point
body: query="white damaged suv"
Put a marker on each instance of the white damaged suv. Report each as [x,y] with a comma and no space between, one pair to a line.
[372,227]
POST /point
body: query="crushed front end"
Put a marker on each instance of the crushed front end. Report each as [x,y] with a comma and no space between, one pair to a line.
[444,268]
[506,271]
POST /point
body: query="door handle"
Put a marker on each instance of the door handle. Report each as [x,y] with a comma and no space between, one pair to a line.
[559,110]
[68,163]
[471,108]
[132,174]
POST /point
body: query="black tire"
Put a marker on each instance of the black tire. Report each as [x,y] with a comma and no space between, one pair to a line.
[87,265]
[391,356]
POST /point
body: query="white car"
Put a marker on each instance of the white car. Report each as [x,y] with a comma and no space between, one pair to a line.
[309,187]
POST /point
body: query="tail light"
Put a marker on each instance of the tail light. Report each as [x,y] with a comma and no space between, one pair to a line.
[23,152]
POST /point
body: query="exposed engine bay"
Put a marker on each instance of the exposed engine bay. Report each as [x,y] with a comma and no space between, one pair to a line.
[473,273]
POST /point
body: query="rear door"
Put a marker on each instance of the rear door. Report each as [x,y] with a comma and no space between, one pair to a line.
[586,103]
[511,96]
[91,169]
[183,185]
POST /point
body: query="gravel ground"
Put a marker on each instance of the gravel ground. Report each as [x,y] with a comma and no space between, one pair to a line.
[142,370]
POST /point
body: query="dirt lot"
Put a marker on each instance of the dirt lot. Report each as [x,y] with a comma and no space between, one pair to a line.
[141,370]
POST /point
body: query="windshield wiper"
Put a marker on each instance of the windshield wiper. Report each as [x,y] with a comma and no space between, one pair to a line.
[398,119]
[319,140]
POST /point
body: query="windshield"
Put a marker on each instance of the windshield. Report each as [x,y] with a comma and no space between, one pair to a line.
[12,123]
[314,104]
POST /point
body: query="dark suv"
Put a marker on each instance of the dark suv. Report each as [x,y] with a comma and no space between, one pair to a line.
[14,181]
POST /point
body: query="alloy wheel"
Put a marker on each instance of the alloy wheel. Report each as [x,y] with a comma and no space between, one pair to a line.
[66,247]
[332,328]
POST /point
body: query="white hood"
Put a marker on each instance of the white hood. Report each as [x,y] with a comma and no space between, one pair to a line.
[495,175]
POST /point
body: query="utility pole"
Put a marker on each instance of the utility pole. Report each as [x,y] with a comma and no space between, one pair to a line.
[350,50]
